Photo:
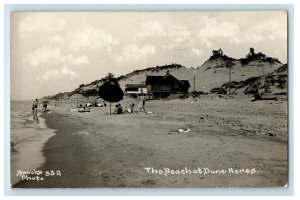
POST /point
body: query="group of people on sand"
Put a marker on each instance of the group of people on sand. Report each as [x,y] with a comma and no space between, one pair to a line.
[34,108]
[119,109]
[86,107]
[96,104]
[35,104]
[82,108]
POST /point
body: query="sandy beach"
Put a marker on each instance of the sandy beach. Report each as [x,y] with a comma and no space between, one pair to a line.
[232,142]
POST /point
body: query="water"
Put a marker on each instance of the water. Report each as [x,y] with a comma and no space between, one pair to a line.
[28,136]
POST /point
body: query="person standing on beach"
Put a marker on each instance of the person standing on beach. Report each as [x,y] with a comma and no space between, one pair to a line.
[34,110]
[35,105]
[45,106]
[142,103]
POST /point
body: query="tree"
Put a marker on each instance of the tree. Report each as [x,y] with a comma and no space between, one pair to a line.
[111,91]
[109,77]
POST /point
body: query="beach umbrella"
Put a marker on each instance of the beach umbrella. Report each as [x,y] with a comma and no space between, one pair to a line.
[111,92]
[77,97]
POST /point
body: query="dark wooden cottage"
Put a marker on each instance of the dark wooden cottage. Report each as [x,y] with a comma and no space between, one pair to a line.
[163,86]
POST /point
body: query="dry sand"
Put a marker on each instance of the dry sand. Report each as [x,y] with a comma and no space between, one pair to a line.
[100,150]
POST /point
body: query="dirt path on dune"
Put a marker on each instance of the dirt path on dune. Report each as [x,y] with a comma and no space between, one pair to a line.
[101,150]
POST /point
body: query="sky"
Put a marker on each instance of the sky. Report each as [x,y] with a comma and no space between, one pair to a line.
[55,52]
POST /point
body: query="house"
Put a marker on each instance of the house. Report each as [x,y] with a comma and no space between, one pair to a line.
[163,86]
[135,89]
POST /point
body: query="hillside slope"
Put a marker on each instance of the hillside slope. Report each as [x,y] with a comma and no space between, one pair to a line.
[215,71]
[211,74]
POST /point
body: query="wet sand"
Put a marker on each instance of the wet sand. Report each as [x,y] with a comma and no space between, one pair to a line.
[100,150]
[28,137]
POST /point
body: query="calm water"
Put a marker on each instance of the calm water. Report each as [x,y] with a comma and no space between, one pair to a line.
[28,135]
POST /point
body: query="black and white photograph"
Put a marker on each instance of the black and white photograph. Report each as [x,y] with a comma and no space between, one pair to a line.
[165,99]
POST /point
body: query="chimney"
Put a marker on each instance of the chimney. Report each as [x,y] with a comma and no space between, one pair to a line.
[167,72]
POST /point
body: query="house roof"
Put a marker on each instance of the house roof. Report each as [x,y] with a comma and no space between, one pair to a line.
[169,76]
[164,79]
[135,86]
[186,83]
[154,79]
[160,79]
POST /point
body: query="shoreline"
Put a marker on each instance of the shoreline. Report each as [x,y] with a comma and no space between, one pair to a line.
[31,148]
[54,144]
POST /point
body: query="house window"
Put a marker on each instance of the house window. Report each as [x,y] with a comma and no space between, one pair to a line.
[131,89]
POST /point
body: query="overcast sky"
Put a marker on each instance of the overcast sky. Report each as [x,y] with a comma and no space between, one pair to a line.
[56,52]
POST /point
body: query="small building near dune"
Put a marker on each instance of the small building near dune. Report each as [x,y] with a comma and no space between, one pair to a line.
[135,89]
[163,86]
